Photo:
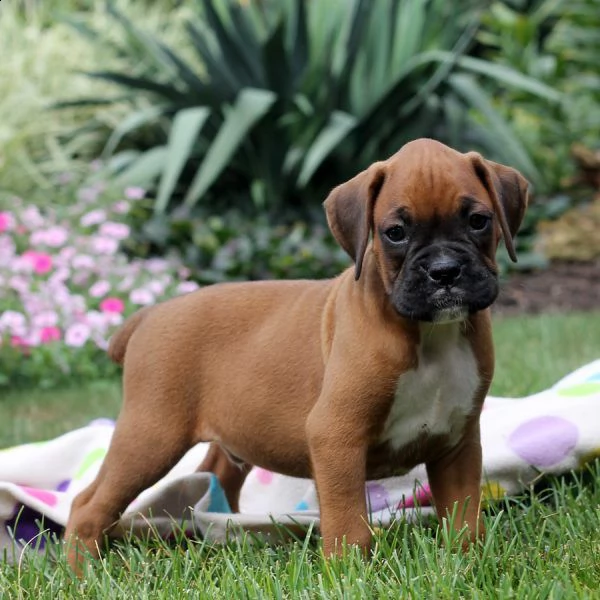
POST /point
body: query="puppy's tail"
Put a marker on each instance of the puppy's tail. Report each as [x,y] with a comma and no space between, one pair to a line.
[118,342]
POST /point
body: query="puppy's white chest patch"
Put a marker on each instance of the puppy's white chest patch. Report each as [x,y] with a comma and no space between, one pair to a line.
[436,397]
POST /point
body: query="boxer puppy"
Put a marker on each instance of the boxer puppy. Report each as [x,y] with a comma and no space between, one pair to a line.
[360,377]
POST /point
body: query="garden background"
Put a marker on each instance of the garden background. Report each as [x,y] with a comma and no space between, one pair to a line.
[151,147]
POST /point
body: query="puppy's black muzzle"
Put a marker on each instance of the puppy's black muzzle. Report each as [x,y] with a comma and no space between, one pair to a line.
[444,282]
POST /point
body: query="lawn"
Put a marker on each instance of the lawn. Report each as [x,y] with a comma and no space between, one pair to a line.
[542,545]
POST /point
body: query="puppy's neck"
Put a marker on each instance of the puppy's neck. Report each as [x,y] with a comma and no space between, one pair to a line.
[436,337]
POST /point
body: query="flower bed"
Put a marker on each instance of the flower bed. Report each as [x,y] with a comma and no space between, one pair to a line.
[65,286]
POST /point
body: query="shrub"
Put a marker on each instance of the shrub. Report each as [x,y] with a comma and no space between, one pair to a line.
[65,286]
[294,97]
[232,247]
[558,44]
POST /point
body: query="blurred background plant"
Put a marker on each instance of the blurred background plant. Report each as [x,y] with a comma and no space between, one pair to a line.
[284,100]
[239,116]
[42,54]
[65,285]
[558,43]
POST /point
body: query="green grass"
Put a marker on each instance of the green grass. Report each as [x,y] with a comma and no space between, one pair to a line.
[543,544]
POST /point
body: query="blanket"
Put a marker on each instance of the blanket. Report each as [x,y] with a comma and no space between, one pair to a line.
[551,432]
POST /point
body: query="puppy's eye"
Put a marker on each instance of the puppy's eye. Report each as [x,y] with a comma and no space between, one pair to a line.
[478,222]
[395,234]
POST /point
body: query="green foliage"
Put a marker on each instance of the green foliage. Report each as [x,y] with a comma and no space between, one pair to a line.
[232,247]
[557,42]
[283,100]
[41,57]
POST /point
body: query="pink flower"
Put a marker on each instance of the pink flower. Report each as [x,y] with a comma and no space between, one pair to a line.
[185,287]
[101,342]
[121,207]
[156,287]
[46,319]
[156,265]
[67,253]
[42,263]
[104,245]
[141,296]
[83,261]
[13,321]
[80,278]
[88,195]
[94,217]
[77,335]
[135,193]
[96,165]
[19,284]
[119,231]
[112,305]
[32,218]
[17,341]
[99,289]
[64,178]
[126,283]
[54,237]
[60,275]
[49,334]
[7,222]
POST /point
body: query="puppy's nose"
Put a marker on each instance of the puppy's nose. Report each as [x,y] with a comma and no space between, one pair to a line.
[444,271]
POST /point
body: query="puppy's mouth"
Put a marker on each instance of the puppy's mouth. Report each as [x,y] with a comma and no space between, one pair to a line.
[448,304]
[419,300]
[444,305]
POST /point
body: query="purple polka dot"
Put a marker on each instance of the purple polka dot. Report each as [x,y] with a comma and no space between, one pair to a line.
[544,441]
[26,524]
[377,497]
[63,486]
[102,423]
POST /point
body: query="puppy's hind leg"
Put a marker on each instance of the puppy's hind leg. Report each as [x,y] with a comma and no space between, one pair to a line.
[146,444]
[231,475]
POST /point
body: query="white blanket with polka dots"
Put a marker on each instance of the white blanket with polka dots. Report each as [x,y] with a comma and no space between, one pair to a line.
[552,432]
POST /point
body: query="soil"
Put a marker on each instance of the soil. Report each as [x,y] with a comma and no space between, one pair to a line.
[562,287]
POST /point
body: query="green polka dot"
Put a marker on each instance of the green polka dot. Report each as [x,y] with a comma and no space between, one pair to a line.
[581,389]
[91,458]
[30,445]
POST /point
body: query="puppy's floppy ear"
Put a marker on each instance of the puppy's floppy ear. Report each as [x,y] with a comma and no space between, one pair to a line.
[349,210]
[508,190]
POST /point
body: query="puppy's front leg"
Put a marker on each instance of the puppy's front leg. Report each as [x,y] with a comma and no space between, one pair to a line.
[338,454]
[455,482]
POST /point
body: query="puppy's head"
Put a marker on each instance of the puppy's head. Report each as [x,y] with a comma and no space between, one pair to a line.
[437,217]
